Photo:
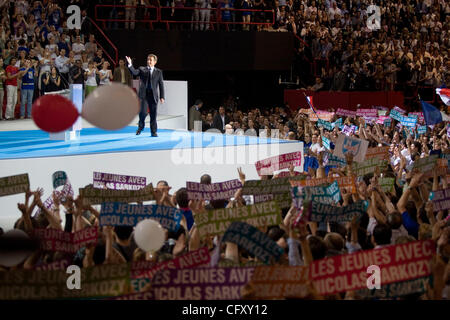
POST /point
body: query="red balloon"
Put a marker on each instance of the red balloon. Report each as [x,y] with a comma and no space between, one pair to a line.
[54,113]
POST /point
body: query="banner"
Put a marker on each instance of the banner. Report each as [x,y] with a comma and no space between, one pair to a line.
[357,147]
[368,166]
[192,259]
[367,113]
[408,121]
[14,184]
[284,161]
[214,191]
[441,199]
[325,124]
[123,214]
[328,195]
[399,110]
[337,123]
[348,130]
[382,113]
[67,191]
[420,117]
[321,212]
[272,186]
[201,283]
[284,200]
[324,115]
[57,240]
[387,184]
[346,113]
[387,123]
[381,153]
[118,181]
[441,169]
[347,183]
[59,178]
[286,173]
[397,263]
[278,282]
[216,222]
[396,290]
[93,195]
[427,164]
[53,266]
[326,142]
[254,241]
[394,114]
[96,282]
[381,119]
[334,161]
[421,130]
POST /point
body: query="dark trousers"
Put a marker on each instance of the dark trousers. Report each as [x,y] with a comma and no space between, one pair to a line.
[152,105]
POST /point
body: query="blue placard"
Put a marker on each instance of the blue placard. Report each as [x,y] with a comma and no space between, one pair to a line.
[254,241]
[124,214]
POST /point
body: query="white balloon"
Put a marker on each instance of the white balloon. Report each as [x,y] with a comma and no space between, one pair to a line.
[11,258]
[111,107]
[149,235]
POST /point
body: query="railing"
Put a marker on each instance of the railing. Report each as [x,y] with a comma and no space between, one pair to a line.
[114,60]
[145,19]
[161,17]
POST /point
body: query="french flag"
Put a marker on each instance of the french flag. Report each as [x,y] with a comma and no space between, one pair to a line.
[309,100]
[444,93]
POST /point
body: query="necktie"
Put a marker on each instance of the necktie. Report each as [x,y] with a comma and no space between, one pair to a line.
[149,80]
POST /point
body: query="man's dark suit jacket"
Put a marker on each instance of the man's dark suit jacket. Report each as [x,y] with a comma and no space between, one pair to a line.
[156,79]
[218,124]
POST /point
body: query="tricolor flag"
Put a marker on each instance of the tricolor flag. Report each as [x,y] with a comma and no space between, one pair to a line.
[309,101]
[431,114]
[444,93]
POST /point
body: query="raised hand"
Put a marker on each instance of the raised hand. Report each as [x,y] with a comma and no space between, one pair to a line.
[128,60]
[241,175]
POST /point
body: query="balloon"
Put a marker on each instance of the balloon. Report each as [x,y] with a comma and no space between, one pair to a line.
[54,113]
[149,235]
[111,107]
[15,247]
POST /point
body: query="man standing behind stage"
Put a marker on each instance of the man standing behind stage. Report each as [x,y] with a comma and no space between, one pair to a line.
[150,78]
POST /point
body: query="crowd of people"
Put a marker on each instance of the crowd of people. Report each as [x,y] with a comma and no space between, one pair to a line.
[340,47]
[39,54]
[402,215]
[410,50]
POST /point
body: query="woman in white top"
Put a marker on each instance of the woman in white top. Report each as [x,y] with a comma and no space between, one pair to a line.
[84,60]
[90,78]
[45,61]
[105,74]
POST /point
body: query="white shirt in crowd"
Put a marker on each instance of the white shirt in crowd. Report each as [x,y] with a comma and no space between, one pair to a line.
[77,49]
[61,64]
[105,80]
[317,148]
[91,81]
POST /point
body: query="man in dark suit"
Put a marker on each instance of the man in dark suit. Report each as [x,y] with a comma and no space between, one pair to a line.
[220,120]
[150,78]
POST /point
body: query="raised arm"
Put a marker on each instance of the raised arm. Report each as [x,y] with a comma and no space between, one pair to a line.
[134,72]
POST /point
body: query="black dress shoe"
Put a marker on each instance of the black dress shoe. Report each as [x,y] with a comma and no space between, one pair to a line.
[154,135]
[138,132]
